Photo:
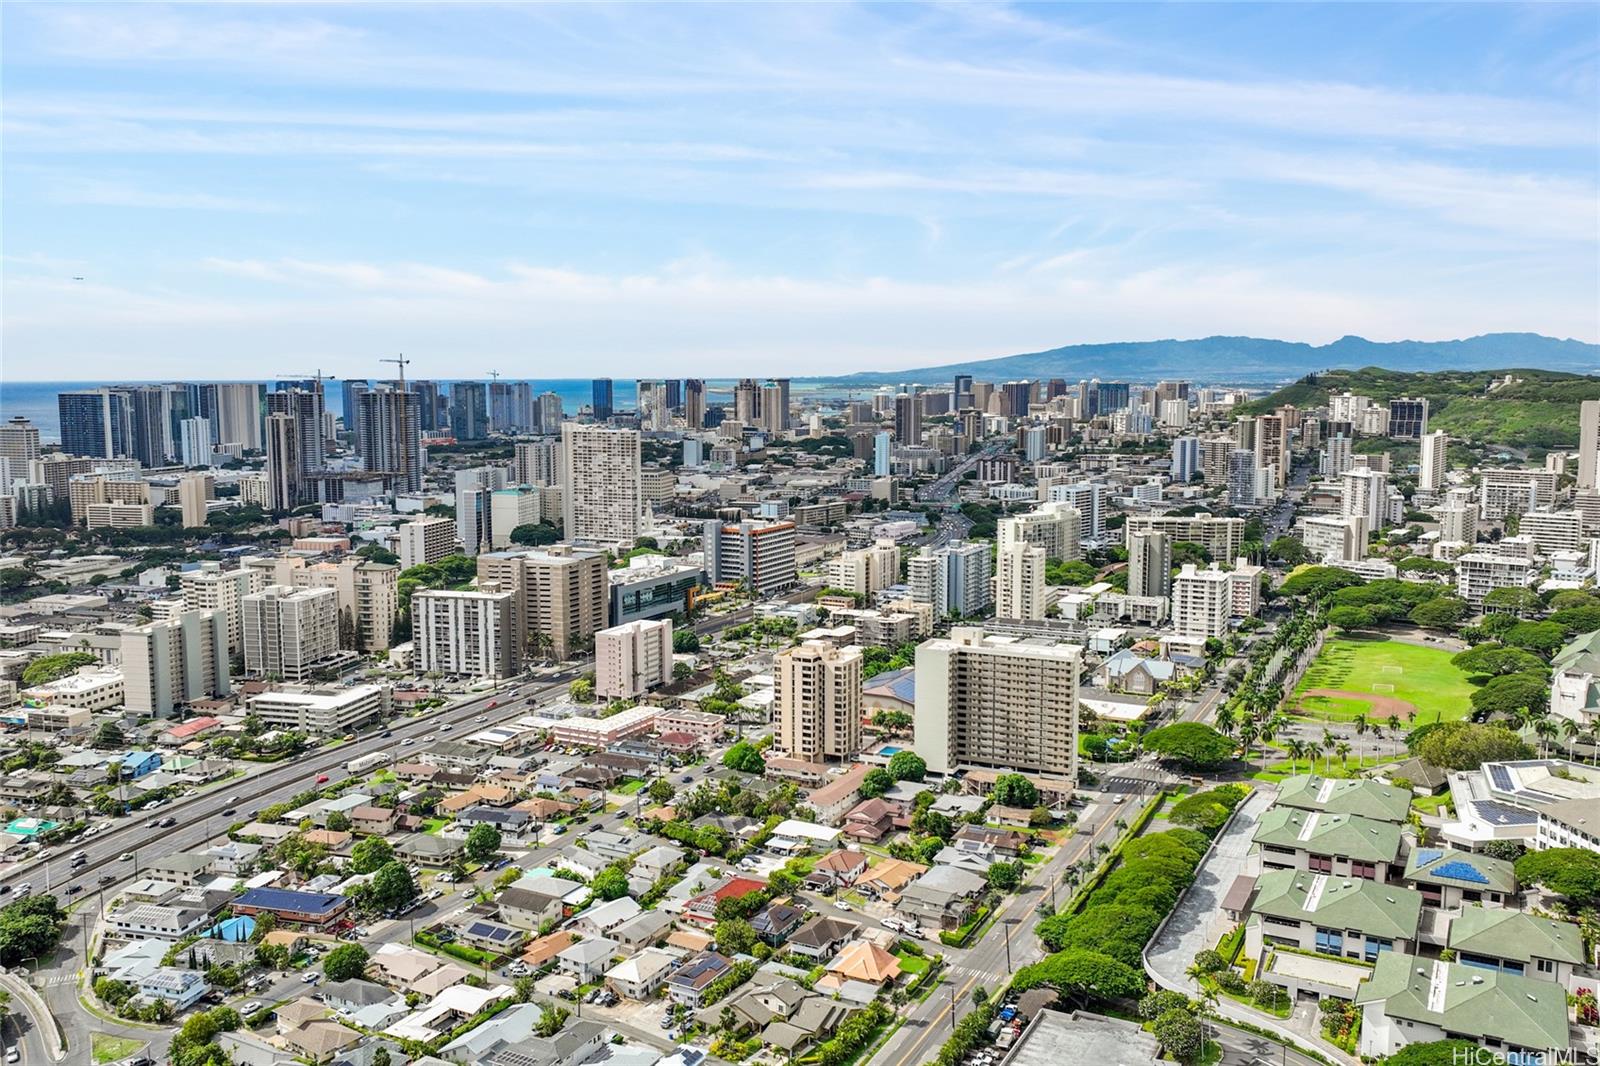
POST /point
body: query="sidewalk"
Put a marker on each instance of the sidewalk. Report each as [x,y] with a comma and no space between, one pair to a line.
[1197,922]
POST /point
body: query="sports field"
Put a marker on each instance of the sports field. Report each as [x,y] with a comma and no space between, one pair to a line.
[1379,677]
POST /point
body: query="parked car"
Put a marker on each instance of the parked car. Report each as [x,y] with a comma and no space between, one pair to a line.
[250,1008]
[310,977]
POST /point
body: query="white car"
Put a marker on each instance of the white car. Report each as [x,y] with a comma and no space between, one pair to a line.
[250,1008]
[310,977]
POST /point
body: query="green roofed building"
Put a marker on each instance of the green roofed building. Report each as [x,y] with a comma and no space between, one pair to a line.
[1451,879]
[1516,942]
[1350,917]
[1345,845]
[1369,799]
[1575,691]
[1411,1000]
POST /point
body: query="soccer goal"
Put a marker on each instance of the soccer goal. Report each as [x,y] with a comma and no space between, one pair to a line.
[1381,686]
[1391,668]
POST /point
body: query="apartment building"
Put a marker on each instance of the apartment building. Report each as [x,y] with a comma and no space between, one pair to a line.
[761,554]
[1055,527]
[194,491]
[538,462]
[632,658]
[119,515]
[465,632]
[1365,495]
[174,662]
[603,498]
[1222,537]
[1019,583]
[368,591]
[322,712]
[211,588]
[510,507]
[956,579]
[1348,917]
[289,632]
[1150,564]
[1202,601]
[1335,538]
[817,706]
[1433,463]
[864,571]
[1344,845]
[1089,499]
[996,702]
[559,594]
[1480,573]
[122,487]
[1504,492]
[426,540]
[1553,531]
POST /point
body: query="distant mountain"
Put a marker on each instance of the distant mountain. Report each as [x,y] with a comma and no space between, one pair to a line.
[1252,360]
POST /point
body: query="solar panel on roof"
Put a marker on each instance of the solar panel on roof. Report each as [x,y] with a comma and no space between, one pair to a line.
[1427,855]
[1457,870]
[1500,777]
[1504,813]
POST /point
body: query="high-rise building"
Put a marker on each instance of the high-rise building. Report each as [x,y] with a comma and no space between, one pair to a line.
[1408,417]
[816,710]
[475,489]
[1431,469]
[502,402]
[747,402]
[469,410]
[1055,527]
[1242,480]
[694,403]
[432,404]
[193,492]
[288,632]
[547,413]
[1335,538]
[1214,452]
[426,540]
[389,429]
[908,418]
[957,579]
[1366,496]
[195,442]
[120,487]
[997,705]
[1458,523]
[1588,445]
[761,554]
[1272,444]
[1149,563]
[510,507]
[170,663]
[632,658]
[1111,396]
[1089,499]
[305,406]
[1019,583]
[1202,601]
[961,395]
[470,632]
[864,571]
[234,409]
[602,403]
[882,450]
[19,442]
[211,588]
[775,406]
[350,392]
[94,423]
[602,497]
[537,462]
[286,483]
[1185,459]
[560,596]
[1337,456]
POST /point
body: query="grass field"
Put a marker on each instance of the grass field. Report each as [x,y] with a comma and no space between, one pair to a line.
[1421,676]
[106,1048]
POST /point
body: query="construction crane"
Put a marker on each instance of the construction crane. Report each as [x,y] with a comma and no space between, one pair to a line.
[315,375]
[401,363]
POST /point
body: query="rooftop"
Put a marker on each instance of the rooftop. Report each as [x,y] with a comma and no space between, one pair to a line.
[1468,1001]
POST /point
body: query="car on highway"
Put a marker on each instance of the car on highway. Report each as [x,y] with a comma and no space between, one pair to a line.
[446,728]
[406,743]
[387,733]
[322,779]
[481,718]
[73,890]
[106,879]
[126,856]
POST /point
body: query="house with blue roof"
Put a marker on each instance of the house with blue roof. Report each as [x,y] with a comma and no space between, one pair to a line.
[1450,879]
[135,764]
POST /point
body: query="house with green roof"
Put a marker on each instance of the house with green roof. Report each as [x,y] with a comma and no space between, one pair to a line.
[1350,917]
[1575,688]
[1360,796]
[1345,845]
[1411,1000]
[1450,879]
[1516,942]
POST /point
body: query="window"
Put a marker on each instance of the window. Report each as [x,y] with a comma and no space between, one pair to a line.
[1375,945]
[1321,864]
[1545,965]
[1330,941]
[1364,869]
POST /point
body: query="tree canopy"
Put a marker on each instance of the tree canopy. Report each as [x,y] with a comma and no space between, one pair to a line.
[1468,745]
[345,962]
[1192,745]
[907,766]
[744,757]
[1014,790]
[1570,872]
[1496,659]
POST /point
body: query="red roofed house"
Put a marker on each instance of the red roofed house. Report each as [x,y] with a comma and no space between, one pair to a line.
[182,734]
[678,743]
[703,908]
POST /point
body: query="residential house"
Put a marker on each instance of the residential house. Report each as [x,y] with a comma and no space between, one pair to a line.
[378,821]
[833,800]
[431,849]
[147,921]
[1006,843]
[186,868]
[776,921]
[642,930]
[491,936]
[870,820]
[688,983]
[942,898]
[293,908]
[544,950]
[588,959]
[867,962]
[1348,917]
[1516,942]
[180,989]
[641,976]
[1344,845]
[526,908]
[889,877]
[658,861]
[841,868]
[601,918]
[703,908]
[233,857]
[1411,1000]
[581,861]
[347,997]
[1450,879]
[822,937]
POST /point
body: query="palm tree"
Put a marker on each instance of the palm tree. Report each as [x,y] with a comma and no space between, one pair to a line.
[1314,749]
[1394,724]
[1226,721]
[1247,738]
[1362,725]
[1343,750]
[1297,751]
[1547,731]
[1572,730]
[1328,742]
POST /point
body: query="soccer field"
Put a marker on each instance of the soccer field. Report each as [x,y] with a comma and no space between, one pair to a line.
[1380,677]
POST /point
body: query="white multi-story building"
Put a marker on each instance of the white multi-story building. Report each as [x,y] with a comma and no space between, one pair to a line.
[816,712]
[468,632]
[632,658]
[1335,538]
[1431,469]
[322,712]
[1365,496]
[537,462]
[1553,531]
[426,540]
[1480,573]
[864,571]
[1222,537]
[1089,498]
[211,588]
[1458,522]
[1055,527]
[510,507]
[171,663]
[1149,563]
[1019,583]
[1202,601]
[760,554]
[475,490]
[1337,456]
[290,632]
[1516,491]
[997,703]
[957,579]
[602,498]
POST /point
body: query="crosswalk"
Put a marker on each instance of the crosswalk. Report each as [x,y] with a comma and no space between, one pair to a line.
[969,971]
[54,980]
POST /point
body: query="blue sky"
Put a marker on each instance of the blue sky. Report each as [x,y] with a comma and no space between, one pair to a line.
[700,189]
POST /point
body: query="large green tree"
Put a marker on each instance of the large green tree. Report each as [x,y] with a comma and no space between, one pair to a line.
[1467,745]
[369,854]
[30,928]
[393,886]
[345,962]
[1191,745]
[1570,872]
[483,842]
[1494,660]
[907,766]
[1014,790]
